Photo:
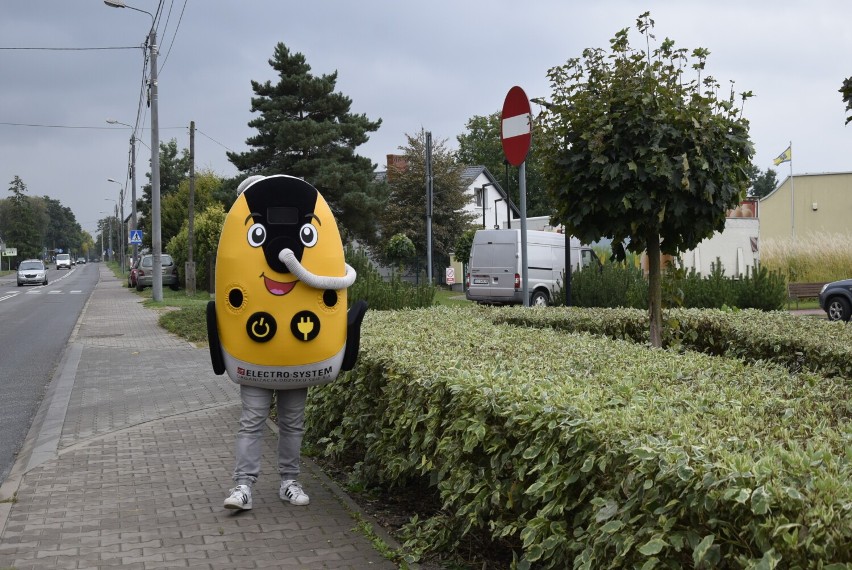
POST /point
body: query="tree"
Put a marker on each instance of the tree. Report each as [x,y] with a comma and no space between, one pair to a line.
[405,212]
[481,145]
[207,229]
[174,210]
[174,168]
[636,152]
[20,223]
[400,251]
[846,91]
[762,183]
[305,129]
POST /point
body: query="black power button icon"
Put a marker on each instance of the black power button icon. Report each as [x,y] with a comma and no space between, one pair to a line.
[261,327]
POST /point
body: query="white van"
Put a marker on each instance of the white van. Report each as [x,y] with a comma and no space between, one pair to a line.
[63,260]
[494,274]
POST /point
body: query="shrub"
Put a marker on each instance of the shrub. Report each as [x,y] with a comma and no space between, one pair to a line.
[588,452]
[385,295]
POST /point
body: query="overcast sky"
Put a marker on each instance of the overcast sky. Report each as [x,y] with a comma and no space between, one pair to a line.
[430,65]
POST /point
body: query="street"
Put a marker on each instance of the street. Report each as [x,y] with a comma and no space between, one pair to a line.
[35,324]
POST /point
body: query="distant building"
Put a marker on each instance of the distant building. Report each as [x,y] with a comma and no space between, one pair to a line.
[808,203]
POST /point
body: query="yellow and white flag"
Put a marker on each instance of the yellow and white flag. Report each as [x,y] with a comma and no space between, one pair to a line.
[785,156]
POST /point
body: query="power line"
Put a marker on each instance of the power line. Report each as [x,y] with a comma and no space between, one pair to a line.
[197,130]
[68,48]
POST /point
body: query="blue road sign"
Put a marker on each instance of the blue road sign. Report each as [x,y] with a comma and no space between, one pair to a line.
[136,237]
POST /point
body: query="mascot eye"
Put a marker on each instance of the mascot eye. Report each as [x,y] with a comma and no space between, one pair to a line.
[256,235]
[308,235]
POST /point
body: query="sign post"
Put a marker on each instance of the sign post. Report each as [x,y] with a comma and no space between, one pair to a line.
[516,136]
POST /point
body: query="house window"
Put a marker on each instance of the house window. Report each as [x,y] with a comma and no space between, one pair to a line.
[479,196]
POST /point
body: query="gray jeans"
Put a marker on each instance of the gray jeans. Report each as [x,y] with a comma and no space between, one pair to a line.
[291,426]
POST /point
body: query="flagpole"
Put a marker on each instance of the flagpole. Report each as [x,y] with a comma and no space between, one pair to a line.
[792,198]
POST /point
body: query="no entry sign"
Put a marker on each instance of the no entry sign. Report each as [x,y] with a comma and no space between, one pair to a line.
[516,126]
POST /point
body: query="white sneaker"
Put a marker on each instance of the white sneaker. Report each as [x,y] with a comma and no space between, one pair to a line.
[240,498]
[291,490]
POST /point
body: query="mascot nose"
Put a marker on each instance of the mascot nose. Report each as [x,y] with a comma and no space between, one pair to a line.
[274,247]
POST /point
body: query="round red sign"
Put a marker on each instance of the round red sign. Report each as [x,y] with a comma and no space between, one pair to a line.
[516,126]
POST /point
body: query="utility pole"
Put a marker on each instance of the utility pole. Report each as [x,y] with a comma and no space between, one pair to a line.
[429,206]
[190,263]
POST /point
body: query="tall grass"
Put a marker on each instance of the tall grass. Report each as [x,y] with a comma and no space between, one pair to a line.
[811,258]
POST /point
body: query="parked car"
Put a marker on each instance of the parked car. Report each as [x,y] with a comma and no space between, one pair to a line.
[81,260]
[836,300]
[63,260]
[32,271]
[144,272]
[131,275]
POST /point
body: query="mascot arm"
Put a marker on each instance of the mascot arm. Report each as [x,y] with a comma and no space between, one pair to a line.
[353,334]
[213,340]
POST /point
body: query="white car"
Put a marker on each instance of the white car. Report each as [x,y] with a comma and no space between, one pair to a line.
[63,260]
[32,271]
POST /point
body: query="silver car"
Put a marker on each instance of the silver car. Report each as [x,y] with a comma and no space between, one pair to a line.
[145,274]
[32,271]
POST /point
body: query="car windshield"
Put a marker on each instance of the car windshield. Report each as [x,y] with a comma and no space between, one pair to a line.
[25,265]
[63,256]
[165,261]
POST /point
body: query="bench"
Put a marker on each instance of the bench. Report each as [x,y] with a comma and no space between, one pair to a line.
[796,291]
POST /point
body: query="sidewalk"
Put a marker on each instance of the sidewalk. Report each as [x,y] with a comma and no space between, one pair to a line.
[129,459]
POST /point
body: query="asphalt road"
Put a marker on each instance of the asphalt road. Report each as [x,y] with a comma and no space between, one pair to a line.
[35,325]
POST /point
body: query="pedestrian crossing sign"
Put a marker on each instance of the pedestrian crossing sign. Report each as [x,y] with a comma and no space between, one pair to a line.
[136,237]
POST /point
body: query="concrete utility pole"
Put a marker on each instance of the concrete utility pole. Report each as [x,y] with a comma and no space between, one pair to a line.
[190,263]
[429,206]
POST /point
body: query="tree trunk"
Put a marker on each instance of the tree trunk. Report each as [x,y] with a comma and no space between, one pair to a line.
[655,312]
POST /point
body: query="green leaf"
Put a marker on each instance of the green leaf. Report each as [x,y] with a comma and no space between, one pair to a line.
[701,550]
[760,501]
[612,526]
[653,546]
[607,512]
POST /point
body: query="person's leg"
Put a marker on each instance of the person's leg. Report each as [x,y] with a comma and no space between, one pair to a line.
[291,427]
[256,402]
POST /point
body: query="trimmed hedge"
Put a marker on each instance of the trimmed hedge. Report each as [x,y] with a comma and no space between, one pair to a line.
[791,341]
[589,452]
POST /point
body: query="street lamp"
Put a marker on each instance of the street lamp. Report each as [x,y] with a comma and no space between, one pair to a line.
[156,238]
[133,140]
[123,236]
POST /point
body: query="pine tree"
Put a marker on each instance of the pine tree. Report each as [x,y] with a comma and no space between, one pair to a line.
[305,129]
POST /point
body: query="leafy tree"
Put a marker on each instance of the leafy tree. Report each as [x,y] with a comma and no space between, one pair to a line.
[637,152]
[306,129]
[400,251]
[174,208]
[405,212]
[481,145]
[464,245]
[61,228]
[846,91]
[207,229]
[174,168]
[21,225]
[762,183]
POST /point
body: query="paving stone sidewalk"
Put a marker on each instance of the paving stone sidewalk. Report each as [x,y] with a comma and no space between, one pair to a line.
[129,459]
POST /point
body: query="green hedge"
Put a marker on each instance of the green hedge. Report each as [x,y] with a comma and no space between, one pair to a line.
[622,285]
[589,452]
[795,342]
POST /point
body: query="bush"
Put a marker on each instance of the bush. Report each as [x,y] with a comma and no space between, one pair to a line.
[623,285]
[613,285]
[384,295]
[583,451]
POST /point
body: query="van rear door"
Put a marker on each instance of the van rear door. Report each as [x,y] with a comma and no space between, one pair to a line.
[493,265]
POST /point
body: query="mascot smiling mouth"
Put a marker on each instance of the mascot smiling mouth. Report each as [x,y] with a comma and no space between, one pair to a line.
[287,257]
[277,287]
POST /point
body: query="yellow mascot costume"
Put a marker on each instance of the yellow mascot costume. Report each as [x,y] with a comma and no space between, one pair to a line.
[279,319]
